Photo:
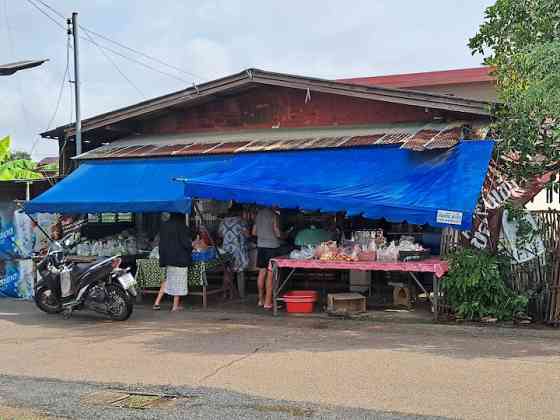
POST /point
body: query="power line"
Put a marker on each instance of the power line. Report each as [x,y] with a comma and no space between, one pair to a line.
[25,111]
[157,60]
[110,49]
[61,89]
[52,9]
[126,47]
[60,25]
[139,62]
[121,45]
[66,72]
[115,65]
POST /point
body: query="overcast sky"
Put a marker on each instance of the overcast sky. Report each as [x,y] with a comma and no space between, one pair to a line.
[323,38]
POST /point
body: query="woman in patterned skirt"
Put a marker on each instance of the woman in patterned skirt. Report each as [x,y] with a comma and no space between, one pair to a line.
[234,232]
[175,254]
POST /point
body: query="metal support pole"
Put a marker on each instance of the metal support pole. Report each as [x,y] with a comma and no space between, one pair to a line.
[77,82]
[436,297]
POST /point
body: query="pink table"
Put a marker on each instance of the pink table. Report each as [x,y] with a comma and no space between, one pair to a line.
[434,265]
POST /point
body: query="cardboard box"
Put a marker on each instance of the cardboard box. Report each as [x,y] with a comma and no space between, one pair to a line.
[346,303]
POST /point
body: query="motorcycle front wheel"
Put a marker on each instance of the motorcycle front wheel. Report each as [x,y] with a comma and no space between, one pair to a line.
[119,303]
[47,301]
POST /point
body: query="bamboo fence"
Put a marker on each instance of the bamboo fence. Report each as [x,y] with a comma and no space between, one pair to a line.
[539,278]
[548,222]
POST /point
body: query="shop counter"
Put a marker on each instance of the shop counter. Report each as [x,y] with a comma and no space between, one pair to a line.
[434,265]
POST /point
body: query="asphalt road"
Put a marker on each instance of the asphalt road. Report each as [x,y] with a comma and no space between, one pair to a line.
[236,365]
[57,399]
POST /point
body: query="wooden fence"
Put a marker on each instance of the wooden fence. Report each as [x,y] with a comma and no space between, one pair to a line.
[539,278]
[544,276]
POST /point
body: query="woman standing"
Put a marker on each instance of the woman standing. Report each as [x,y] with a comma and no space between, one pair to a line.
[175,254]
[234,233]
[267,231]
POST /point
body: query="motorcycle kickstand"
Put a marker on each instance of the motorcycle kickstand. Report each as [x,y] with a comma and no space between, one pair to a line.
[67,313]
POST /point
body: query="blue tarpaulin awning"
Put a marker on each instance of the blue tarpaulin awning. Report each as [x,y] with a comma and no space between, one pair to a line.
[439,188]
[126,185]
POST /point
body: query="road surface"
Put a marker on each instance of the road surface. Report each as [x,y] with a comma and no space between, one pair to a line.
[322,367]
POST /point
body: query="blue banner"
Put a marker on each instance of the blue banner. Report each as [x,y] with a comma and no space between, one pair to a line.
[19,239]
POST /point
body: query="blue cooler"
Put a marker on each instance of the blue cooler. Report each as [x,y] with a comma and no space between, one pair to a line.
[203,256]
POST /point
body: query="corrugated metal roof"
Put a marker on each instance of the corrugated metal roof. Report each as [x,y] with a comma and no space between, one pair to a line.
[429,78]
[416,138]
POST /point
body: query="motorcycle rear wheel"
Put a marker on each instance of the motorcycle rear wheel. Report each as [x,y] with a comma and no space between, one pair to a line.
[119,305]
[47,301]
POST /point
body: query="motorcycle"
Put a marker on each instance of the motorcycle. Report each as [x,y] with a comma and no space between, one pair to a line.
[102,286]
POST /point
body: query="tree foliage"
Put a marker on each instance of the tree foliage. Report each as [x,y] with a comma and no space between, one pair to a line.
[475,287]
[521,39]
[20,155]
[19,169]
[16,165]
[510,26]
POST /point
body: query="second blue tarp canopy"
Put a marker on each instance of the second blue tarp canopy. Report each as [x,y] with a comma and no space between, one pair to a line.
[439,188]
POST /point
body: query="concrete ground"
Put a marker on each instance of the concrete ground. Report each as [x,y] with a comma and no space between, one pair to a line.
[374,366]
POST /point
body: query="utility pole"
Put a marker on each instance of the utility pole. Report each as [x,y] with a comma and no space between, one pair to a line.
[78,136]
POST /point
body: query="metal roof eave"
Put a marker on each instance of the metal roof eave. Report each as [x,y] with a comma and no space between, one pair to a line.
[254,76]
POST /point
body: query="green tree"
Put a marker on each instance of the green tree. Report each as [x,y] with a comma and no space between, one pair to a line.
[511,26]
[20,155]
[521,39]
[16,165]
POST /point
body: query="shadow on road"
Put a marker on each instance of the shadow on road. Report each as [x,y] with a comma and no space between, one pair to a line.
[217,332]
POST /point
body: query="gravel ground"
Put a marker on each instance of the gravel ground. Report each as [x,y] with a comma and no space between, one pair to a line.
[49,399]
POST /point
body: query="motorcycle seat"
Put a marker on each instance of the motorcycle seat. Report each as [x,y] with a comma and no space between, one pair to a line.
[81,268]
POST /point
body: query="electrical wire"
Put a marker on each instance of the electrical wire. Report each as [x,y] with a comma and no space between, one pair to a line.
[125,77]
[61,89]
[52,9]
[157,60]
[126,47]
[60,25]
[25,111]
[140,62]
[105,38]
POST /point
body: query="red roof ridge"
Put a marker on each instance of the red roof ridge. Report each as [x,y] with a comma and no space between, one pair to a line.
[429,78]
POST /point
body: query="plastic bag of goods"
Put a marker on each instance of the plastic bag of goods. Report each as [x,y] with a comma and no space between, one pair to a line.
[305,253]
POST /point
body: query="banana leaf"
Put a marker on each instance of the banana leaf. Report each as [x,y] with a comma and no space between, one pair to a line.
[53,167]
[19,169]
[5,144]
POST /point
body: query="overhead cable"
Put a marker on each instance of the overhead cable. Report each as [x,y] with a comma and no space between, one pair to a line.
[60,91]
[125,77]
[57,23]
[121,45]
